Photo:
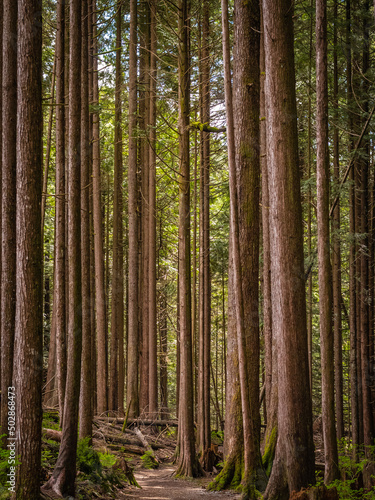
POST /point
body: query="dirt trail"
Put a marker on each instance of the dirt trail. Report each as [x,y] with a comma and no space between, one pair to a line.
[159,484]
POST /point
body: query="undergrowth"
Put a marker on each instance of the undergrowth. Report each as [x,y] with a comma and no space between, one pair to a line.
[149,461]
[349,486]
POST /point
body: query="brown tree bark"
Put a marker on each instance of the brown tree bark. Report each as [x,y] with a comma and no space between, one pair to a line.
[366,376]
[336,254]
[60,252]
[63,477]
[28,350]
[85,403]
[152,317]
[144,229]
[293,467]
[204,399]
[188,464]
[100,295]
[246,98]
[1,145]
[116,396]
[133,336]
[267,304]
[325,273]
[352,261]
[252,475]
[8,187]
[230,476]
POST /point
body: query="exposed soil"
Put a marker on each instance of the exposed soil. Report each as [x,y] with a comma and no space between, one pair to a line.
[159,484]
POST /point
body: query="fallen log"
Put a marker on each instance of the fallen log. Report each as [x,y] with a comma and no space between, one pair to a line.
[52,434]
[140,421]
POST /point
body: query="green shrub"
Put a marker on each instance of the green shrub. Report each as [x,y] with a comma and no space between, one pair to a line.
[149,461]
[88,460]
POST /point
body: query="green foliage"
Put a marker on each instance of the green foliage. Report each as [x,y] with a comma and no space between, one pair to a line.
[217,437]
[107,459]
[149,461]
[351,472]
[50,422]
[88,460]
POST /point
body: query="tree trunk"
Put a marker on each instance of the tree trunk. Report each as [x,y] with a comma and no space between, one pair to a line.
[270,438]
[9,165]
[117,327]
[293,467]
[85,404]
[352,261]
[132,380]
[246,92]
[204,253]
[152,318]
[366,378]
[230,476]
[336,255]
[60,252]
[1,146]
[28,351]
[325,274]
[101,319]
[267,305]
[63,477]
[188,463]
[144,229]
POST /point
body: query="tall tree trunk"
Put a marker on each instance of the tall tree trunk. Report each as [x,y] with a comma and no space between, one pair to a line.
[204,254]
[336,255]
[117,328]
[63,477]
[1,146]
[188,463]
[267,305]
[293,467]
[250,14]
[246,92]
[144,229]
[28,351]
[60,252]
[352,261]
[101,319]
[132,379]
[85,404]
[270,438]
[230,476]
[152,318]
[309,211]
[9,166]
[325,274]
[368,424]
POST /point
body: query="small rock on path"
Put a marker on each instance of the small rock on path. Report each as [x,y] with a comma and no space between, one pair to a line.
[159,484]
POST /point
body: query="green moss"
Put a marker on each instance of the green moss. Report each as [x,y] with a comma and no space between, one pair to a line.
[269,451]
[229,477]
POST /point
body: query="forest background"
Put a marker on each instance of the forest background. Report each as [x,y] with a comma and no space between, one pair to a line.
[143,310]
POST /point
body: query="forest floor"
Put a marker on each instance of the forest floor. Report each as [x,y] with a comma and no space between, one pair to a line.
[159,484]
[118,456]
